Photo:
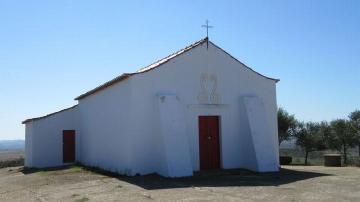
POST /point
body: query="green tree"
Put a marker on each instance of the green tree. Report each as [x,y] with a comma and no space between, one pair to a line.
[309,137]
[342,137]
[325,129]
[355,121]
[286,125]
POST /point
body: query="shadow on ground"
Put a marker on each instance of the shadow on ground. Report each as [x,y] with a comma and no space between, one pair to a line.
[216,178]
[222,178]
[26,171]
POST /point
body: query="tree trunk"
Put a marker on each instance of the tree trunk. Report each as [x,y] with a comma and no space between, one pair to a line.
[359,149]
[306,157]
[345,154]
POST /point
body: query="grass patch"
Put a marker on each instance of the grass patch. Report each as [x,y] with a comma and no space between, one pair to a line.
[75,169]
[54,170]
[316,158]
[311,161]
[43,173]
[83,199]
[354,161]
[12,163]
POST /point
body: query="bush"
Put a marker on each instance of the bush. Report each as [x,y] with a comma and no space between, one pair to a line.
[353,161]
[285,160]
[12,163]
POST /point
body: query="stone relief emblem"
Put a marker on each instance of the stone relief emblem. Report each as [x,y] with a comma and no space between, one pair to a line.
[203,95]
[208,93]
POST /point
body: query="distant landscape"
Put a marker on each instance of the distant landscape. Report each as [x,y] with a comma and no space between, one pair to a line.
[12,145]
[11,153]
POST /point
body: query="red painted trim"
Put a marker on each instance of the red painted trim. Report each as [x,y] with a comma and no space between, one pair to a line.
[43,117]
[276,80]
[159,63]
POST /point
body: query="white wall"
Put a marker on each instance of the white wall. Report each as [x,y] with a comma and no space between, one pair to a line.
[181,76]
[121,128]
[106,124]
[176,149]
[44,139]
[266,155]
[28,145]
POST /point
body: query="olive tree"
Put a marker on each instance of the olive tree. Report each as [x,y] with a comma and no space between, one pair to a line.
[309,137]
[342,137]
[286,125]
[355,122]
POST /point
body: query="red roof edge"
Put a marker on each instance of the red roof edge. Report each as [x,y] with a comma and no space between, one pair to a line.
[142,70]
[42,117]
[276,80]
[105,85]
[159,63]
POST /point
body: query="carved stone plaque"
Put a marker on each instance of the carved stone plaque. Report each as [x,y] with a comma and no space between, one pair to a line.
[208,89]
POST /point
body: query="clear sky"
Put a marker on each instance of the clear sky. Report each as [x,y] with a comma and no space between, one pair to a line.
[52,51]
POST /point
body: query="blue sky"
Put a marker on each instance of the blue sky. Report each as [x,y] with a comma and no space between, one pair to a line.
[52,51]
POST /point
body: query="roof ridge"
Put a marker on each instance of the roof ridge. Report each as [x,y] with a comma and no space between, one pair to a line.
[144,69]
[159,62]
[276,80]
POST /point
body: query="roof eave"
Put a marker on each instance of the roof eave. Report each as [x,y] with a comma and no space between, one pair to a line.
[48,115]
[105,85]
[276,80]
[159,63]
[142,70]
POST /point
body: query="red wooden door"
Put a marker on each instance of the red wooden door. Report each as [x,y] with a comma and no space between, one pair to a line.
[68,146]
[209,143]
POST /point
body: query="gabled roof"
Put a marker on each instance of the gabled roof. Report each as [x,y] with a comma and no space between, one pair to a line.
[276,80]
[157,64]
[42,117]
[142,70]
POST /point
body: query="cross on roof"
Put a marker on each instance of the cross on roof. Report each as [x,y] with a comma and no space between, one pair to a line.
[207,26]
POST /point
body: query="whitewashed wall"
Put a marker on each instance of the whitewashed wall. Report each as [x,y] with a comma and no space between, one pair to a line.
[43,139]
[181,76]
[29,144]
[107,125]
[121,128]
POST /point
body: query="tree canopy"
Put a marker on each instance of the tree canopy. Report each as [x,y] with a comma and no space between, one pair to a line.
[342,136]
[339,134]
[309,137]
[286,125]
[355,122]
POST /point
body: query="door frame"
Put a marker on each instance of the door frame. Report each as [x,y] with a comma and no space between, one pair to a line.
[220,138]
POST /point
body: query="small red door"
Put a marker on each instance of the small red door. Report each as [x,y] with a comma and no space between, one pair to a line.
[68,146]
[209,143]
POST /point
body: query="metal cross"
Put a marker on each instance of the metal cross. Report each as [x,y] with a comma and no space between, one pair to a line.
[207,26]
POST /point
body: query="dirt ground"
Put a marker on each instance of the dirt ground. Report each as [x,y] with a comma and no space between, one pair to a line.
[293,183]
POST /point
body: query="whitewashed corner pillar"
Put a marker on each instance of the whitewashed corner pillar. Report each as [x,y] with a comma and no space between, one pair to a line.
[173,132]
[261,135]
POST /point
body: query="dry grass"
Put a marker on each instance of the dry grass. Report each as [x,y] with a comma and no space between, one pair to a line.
[316,158]
[11,158]
[76,183]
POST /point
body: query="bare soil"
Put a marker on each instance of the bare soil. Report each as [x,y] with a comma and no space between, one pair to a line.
[293,183]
